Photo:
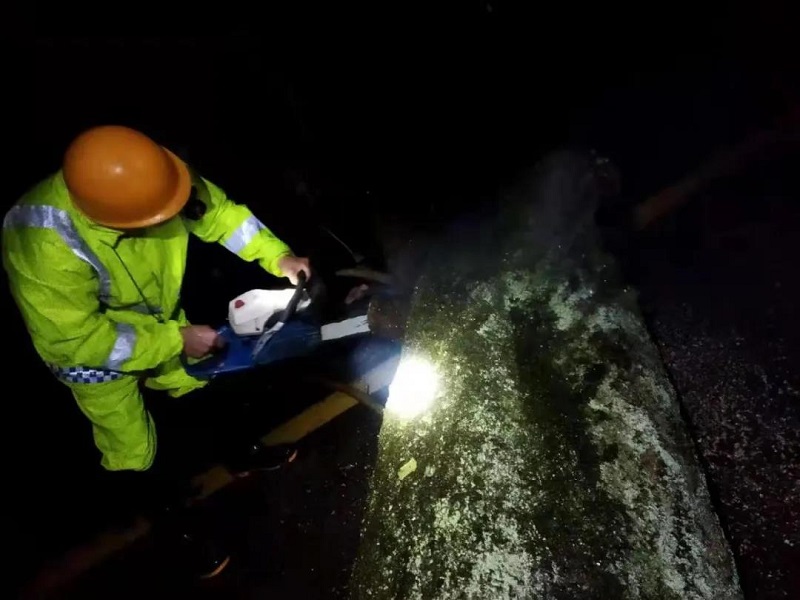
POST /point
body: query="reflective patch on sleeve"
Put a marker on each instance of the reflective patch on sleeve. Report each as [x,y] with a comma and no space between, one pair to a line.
[123,346]
[243,234]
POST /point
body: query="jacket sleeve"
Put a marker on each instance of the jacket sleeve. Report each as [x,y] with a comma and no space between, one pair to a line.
[57,295]
[237,229]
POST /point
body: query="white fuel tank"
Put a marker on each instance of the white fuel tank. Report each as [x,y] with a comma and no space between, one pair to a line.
[248,312]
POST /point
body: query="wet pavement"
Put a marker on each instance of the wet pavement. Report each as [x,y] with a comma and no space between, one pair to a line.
[292,534]
[719,283]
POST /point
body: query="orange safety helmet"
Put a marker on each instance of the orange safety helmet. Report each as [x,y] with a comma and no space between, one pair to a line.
[120,178]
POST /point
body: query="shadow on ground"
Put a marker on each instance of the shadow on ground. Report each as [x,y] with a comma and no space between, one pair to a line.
[293,533]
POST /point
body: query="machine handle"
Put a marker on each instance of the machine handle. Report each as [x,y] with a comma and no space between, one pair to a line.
[291,306]
[203,366]
[230,337]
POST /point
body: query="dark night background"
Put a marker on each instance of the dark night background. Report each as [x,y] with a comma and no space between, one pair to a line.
[385,124]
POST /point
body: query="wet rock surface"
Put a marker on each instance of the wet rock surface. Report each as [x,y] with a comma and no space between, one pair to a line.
[553,462]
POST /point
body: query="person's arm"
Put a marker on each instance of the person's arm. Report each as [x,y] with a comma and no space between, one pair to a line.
[237,229]
[56,293]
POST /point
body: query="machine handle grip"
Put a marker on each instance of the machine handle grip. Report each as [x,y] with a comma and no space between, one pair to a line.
[202,366]
[230,337]
[291,306]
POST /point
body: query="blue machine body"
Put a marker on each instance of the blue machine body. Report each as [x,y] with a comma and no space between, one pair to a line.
[298,334]
[297,337]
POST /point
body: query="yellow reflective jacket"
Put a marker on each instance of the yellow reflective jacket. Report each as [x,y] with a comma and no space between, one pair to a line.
[97,300]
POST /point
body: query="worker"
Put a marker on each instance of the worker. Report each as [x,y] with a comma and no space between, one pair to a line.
[95,256]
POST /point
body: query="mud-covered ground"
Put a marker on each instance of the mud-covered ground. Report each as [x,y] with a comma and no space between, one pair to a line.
[719,283]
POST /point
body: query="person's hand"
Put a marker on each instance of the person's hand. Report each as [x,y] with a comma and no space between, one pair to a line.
[199,340]
[291,266]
